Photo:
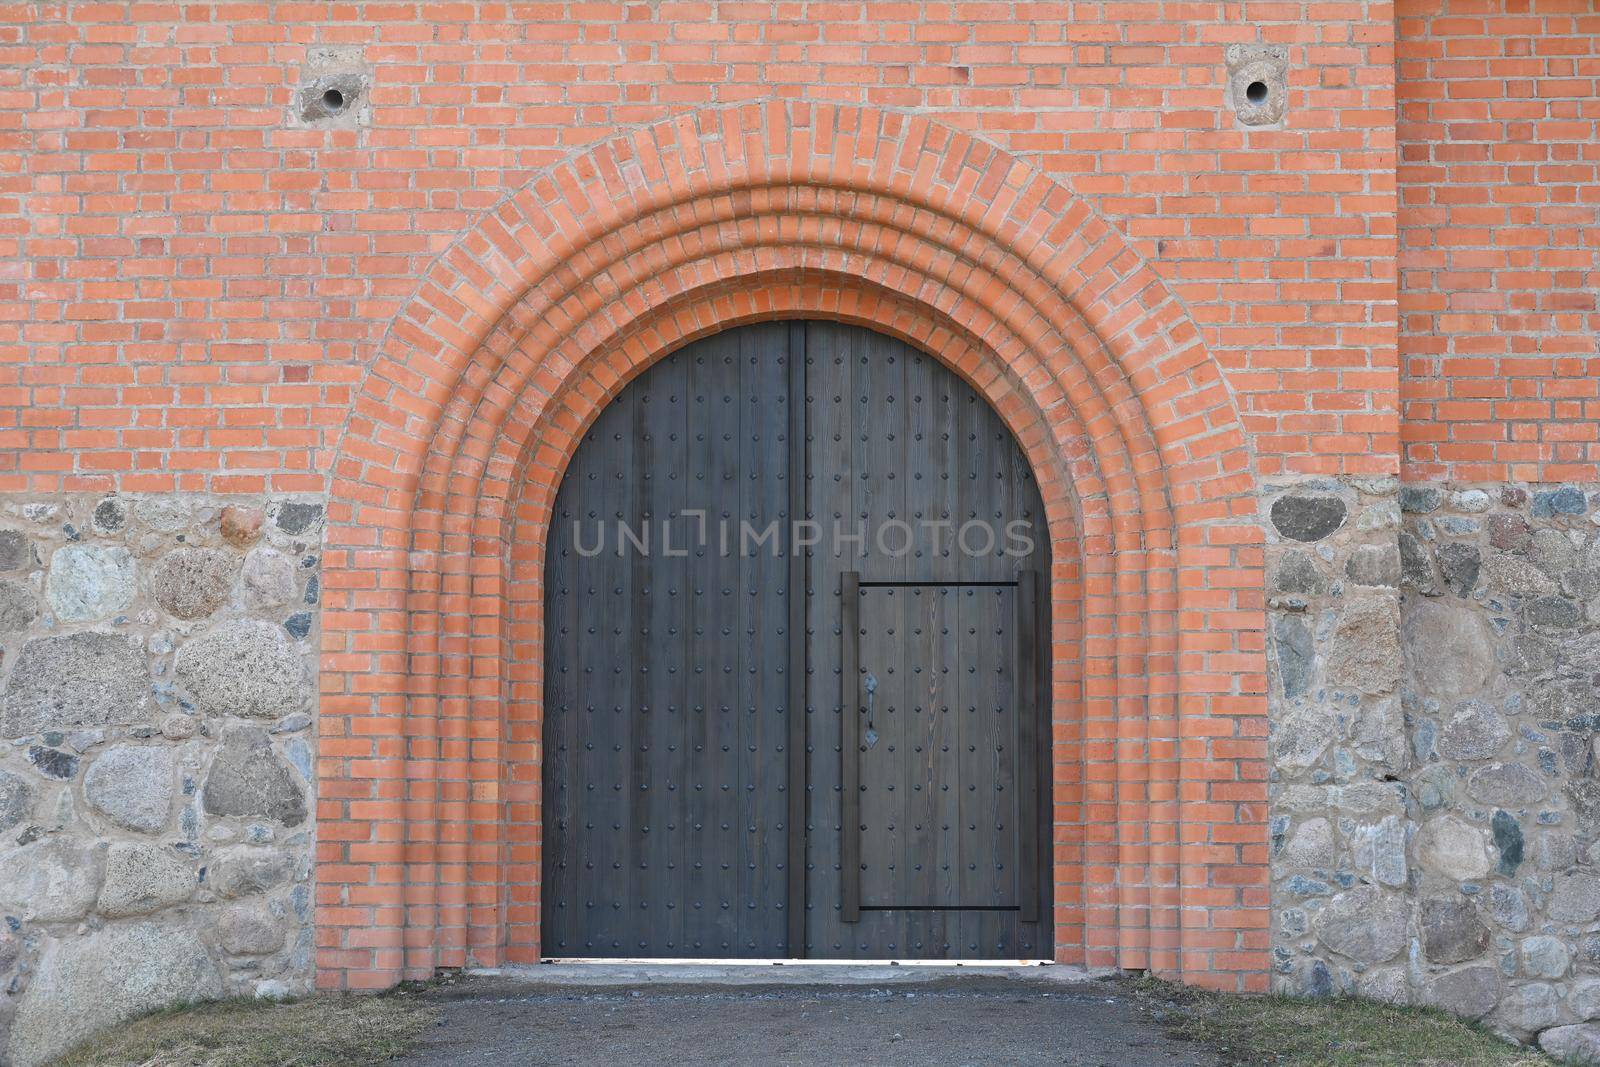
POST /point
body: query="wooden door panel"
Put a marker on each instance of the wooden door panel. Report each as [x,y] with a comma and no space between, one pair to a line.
[696,706]
[666,700]
[937,747]
[893,435]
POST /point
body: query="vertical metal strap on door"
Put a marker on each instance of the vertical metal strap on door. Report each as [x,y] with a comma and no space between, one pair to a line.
[850,749]
[1027,689]
[799,585]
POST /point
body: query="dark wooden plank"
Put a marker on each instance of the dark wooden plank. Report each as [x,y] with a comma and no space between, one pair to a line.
[884,744]
[795,663]
[705,406]
[763,646]
[1027,718]
[830,500]
[646,909]
[849,751]
[609,763]
[723,662]
[561,666]
[1035,933]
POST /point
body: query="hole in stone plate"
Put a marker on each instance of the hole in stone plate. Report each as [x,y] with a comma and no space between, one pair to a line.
[1256,92]
[333,99]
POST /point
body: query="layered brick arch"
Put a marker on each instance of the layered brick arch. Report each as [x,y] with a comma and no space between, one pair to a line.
[428,831]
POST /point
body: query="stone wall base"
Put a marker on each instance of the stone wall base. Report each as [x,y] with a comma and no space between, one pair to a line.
[157,702]
[1435,674]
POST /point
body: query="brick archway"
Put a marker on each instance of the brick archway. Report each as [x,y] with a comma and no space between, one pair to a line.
[428,822]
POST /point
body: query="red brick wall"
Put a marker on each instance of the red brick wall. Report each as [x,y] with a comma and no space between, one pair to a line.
[1499,126]
[194,290]
[191,285]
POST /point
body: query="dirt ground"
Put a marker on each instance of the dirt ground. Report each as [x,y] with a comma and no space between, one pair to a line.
[966,1020]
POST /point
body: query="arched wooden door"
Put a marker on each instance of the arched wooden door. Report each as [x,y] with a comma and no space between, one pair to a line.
[797,663]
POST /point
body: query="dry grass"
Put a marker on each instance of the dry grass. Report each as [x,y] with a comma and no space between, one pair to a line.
[1292,1032]
[344,1031]
[320,1031]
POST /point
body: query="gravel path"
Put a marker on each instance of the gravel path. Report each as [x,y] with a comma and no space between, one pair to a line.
[497,1022]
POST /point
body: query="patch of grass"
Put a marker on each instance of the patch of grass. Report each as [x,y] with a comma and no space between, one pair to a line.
[1343,1032]
[321,1031]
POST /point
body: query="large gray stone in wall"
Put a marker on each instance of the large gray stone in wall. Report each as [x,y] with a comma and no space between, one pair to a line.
[15,798]
[1365,654]
[1585,796]
[191,583]
[1297,572]
[132,786]
[1374,565]
[89,582]
[48,881]
[1509,906]
[1506,785]
[1527,1009]
[1454,848]
[1545,957]
[16,551]
[297,518]
[1460,563]
[1300,737]
[1508,575]
[18,606]
[1584,1000]
[169,514]
[1471,992]
[1364,924]
[82,679]
[247,930]
[268,579]
[1553,614]
[1449,651]
[241,871]
[1553,552]
[1452,931]
[1578,1044]
[1475,730]
[1510,533]
[1378,734]
[1416,568]
[1307,518]
[141,879]
[95,981]
[1380,850]
[1294,653]
[1575,897]
[244,667]
[1311,845]
[247,779]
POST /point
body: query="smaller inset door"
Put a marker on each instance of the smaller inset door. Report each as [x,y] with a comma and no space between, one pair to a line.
[939,769]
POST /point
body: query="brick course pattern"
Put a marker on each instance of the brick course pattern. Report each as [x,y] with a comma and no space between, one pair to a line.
[407,305]
[199,275]
[1499,125]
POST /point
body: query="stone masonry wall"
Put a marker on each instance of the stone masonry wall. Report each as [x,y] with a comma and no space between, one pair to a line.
[156,755]
[1438,841]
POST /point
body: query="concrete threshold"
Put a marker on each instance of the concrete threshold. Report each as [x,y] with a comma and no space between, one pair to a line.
[776,972]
